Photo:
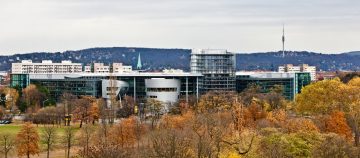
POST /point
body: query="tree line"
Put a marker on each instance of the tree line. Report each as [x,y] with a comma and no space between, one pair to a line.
[323,121]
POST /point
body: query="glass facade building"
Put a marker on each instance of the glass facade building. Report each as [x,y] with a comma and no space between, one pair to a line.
[90,84]
[217,68]
[292,83]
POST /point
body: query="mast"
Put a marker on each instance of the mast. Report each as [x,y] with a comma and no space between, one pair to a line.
[283,42]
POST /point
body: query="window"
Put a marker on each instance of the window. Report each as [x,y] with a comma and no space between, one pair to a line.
[161,89]
[152,96]
[112,88]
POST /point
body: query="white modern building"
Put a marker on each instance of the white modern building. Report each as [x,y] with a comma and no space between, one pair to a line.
[165,90]
[46,67]
[300,68]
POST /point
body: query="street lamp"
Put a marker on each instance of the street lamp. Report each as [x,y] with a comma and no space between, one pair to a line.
[43,103]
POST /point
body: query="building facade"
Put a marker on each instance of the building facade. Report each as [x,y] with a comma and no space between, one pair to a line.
[300,68]
[46,67]
[139,85]
[102,68]
[217,68]
[291,83]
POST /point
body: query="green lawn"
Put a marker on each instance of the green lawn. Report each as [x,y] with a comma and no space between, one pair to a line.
[15,128]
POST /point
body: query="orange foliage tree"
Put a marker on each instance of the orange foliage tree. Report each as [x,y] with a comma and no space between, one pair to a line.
[336,123]
[124,133]
[27,141]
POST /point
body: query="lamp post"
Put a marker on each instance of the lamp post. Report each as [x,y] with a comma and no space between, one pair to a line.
[43,103]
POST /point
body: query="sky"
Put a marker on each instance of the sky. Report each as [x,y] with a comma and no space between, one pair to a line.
[245,26]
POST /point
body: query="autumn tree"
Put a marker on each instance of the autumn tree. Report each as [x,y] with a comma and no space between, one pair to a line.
[336,123]
[327,96]
[276,144]
[321,97]
[7,142]
[82,109]
[170,143]
[277,117]
[2,112]
[300,125]
[103,144]
[216,101]
[334,146]
[48,136]
[12,97]
[32,97]
[123,133]
[47,115]
[275,99]
[94,112]
[27,141]
[127,109]
[352,93]
[155,108]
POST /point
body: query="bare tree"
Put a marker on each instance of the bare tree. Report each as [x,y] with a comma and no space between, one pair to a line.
[85,135]
[155,108]
[67,100]
[69,136]
[48,136]
[7,143]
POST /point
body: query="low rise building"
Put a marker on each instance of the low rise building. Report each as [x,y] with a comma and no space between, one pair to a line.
[46,67]
[300,68]
[292,82]
[102,68]
[139,85]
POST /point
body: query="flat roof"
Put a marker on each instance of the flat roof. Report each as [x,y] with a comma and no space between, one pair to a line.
[252,74]
[131,74]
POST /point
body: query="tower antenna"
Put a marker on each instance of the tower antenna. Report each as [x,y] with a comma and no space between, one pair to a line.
[283,42]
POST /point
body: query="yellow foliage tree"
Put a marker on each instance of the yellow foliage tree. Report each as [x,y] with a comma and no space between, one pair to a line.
[216,101]
[321,97]
[300,124]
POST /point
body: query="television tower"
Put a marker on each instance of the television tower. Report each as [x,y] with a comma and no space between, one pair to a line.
[283,42]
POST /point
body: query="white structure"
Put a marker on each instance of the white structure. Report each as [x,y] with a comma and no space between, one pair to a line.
[172,71]
[113,88]
[164,90]
[301,68]
[120,68]
[46,67]
[2,77]
[102,68]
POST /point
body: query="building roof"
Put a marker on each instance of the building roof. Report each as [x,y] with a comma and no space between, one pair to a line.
[130,74]
[266,74]
[209,51]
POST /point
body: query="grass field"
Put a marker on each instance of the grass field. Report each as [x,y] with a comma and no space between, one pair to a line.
[58,151]
[13,129]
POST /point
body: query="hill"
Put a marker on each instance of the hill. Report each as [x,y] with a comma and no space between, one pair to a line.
[157,59]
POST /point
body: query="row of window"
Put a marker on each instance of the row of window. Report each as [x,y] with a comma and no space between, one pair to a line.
[161,89]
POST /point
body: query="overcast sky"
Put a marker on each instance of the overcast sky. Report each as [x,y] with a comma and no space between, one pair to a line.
[327,26]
